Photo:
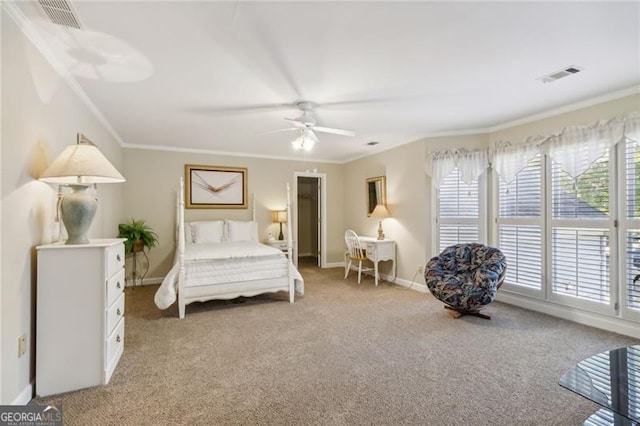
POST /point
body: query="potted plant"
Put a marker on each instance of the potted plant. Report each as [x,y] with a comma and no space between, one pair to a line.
[138,235]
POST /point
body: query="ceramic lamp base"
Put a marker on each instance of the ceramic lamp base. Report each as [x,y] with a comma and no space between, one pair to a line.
[77,210]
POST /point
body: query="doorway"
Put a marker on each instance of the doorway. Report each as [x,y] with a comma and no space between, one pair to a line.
[309,221]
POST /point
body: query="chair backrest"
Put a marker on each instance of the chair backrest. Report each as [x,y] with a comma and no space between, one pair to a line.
[354,246]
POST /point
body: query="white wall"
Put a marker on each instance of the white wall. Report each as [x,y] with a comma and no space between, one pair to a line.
[408,198]
[40,116]
[153,182]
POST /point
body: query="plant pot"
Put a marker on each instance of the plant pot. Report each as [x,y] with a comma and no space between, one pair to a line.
[137,246]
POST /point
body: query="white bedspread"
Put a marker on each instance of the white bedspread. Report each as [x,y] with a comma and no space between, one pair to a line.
[219,263]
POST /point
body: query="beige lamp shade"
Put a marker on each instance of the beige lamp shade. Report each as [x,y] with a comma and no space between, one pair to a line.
[82,163]
[279,216]
[380,211]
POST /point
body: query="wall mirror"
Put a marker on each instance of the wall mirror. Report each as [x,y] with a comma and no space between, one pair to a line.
[376,192]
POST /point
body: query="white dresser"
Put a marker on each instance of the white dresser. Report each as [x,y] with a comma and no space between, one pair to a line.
[80,314]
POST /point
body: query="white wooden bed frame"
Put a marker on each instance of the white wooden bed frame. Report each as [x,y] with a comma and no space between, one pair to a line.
[202,293]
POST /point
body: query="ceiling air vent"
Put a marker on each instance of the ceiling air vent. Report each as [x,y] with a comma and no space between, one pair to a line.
[559,74]
[60,12]
[372,143]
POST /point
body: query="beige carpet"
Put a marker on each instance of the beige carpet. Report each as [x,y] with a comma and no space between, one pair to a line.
[344,354]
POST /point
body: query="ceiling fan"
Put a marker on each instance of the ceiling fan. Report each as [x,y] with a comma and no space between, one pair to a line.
[307,124]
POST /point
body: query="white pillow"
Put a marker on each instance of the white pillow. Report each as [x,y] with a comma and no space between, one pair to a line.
[242,231]
[207,232]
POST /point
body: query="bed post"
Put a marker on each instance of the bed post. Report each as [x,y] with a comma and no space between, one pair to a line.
[181,242]
[290,246]
[253,205]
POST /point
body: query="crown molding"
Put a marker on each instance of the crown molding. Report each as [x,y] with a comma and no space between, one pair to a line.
[568,108]
[35,37]
[225,153]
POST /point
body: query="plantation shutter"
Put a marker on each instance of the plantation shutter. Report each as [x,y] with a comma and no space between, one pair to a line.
[458,207]
[632,223]
[520,225]
[580,233]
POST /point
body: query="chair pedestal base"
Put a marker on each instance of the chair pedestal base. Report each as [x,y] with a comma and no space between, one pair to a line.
[456,313]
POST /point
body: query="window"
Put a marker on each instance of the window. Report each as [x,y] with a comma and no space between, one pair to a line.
[581,233]
[630,227]
[520,226]
[458,211]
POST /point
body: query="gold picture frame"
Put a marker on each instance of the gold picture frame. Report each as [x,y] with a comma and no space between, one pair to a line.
[376,188]
[215,187]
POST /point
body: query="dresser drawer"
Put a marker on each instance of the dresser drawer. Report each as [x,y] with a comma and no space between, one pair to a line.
[115,259]
[115,342]
[115,312]
[371,250]
[115,287]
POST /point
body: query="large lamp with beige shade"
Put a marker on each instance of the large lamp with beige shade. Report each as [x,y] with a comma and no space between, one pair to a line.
[380,212]
[79,167]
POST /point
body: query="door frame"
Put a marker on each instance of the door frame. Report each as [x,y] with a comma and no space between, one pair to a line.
[322,178]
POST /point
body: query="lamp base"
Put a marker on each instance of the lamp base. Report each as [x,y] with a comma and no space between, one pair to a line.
[77,210]
[281,236]
[380,232]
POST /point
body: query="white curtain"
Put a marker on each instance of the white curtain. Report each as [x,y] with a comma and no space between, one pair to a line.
[470,163]
[509,160]
[632,127]
[576,148]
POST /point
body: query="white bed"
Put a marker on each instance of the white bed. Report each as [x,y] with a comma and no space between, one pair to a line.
[223,260]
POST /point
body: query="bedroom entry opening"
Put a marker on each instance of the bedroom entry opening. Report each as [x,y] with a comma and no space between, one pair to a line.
[308,224]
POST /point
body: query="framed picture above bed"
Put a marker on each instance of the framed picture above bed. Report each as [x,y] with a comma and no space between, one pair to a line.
[214,187]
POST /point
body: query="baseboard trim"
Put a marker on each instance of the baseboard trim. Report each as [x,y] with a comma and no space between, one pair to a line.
[25,396]
[334,265]
[615,325]
[412,285]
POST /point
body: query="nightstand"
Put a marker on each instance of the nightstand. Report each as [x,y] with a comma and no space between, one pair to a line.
[279,244]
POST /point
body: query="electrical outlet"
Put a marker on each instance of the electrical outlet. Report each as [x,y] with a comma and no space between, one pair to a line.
[420,269]
[22,345]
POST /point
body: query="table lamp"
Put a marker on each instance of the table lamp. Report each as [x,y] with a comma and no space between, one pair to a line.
[380,212]
[279,216]
[80,166]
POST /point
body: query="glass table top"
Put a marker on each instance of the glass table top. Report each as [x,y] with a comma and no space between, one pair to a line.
[610,379]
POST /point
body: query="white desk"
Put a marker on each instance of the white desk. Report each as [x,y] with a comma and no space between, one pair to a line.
[379,250]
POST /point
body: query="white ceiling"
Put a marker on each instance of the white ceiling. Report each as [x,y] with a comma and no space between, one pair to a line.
[213,75]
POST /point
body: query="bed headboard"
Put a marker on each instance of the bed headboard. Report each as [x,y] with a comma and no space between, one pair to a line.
[181,227]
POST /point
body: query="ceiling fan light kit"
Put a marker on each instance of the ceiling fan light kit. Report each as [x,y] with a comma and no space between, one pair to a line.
[306,141]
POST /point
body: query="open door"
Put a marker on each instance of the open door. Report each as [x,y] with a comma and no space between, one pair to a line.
[309,219]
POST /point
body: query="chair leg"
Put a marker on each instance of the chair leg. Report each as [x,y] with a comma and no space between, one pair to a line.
[457,313]
[346,271]
[359,270]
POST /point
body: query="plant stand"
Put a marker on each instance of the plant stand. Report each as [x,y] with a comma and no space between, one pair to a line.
[139,267]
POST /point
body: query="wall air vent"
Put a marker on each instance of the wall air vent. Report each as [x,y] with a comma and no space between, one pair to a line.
[559,74]
[60,12]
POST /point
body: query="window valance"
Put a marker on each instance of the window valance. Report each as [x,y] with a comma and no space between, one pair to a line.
[470,163]
[575,148]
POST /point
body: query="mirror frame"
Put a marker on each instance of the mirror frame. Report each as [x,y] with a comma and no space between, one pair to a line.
[376,187]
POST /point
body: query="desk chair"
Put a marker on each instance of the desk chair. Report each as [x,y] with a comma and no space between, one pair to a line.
[357,252]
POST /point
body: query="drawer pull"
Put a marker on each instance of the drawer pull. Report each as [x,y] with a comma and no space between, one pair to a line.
[118,338]
[118,312]
[118,285]
[118,257]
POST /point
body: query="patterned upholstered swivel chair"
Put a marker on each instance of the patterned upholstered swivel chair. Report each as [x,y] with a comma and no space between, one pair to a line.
[466,277]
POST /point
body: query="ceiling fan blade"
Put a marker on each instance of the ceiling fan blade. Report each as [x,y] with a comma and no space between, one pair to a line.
[276,131]
[334,131]
[296,122]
